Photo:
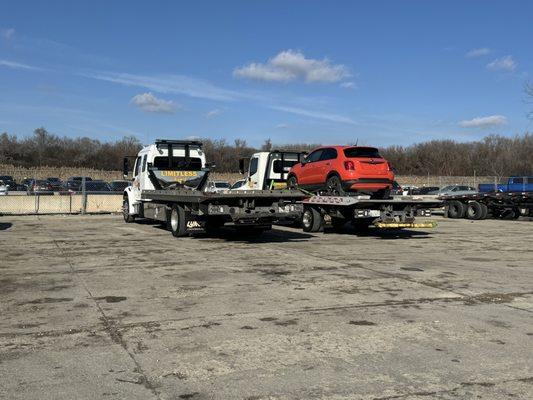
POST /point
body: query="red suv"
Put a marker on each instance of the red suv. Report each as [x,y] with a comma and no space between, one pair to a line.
[338,169]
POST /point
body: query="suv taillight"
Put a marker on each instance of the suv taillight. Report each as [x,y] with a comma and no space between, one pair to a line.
[349,165]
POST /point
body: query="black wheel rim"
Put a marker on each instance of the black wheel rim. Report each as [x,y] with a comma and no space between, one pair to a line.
[333,186]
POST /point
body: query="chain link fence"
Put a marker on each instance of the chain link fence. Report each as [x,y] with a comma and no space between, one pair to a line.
[71,197]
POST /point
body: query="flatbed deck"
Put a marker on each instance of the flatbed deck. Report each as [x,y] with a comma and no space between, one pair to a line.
[196,196]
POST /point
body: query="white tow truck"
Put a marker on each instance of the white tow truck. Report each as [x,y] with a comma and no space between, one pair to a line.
[169,185]
[269,169]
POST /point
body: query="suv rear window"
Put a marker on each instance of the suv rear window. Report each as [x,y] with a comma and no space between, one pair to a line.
[179,163]
[364,152]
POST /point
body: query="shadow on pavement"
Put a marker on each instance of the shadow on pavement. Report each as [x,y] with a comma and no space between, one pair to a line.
[5,225]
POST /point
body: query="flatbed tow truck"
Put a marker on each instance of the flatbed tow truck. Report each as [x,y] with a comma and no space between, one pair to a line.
[320,209]
[169,181]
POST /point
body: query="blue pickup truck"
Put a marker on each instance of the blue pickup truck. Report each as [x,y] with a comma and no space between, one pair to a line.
[519,184]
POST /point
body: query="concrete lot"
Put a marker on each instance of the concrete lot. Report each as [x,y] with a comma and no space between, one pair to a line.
[93,308]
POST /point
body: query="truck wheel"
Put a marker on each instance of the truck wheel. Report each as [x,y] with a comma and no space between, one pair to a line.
[474,210]
[334,186]
[126,211]
[292,182]
[456,209]
[312,220]
[484,211]
[176,221]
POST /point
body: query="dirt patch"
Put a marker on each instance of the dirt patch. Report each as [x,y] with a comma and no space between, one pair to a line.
[495,298]
[287,322]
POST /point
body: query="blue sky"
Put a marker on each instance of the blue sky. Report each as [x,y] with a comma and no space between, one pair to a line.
[380,72]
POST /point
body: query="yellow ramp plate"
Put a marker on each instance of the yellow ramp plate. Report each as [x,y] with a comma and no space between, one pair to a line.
[428,224]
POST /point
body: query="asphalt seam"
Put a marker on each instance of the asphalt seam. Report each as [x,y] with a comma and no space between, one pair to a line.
[110,327]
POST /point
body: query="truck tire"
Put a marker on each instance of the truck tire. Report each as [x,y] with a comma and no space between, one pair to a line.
[474,210]
[176,221]
[128,218]
[456,209]
[484,211]
[292,182]
[312,220]
[510,214]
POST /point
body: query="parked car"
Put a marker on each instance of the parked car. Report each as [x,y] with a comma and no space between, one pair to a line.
[9,182]
[96,186]
[453,190]
[424,190]
[238,184]
[408,190]
[339,169]
[4,189]
[119,186]
[55,183]
[26,182]
[514,184]
[396,189]
[40,186]
[79,178]
[71,186]
[217,186]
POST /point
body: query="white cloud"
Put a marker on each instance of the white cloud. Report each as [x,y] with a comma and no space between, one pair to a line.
[482,51]
[282,126]
[177,84]
[7,33]
[290,65]
[484,122]
[503,64]
[314,114]
[213,113]
[17,65]
[149,103]
[349,85]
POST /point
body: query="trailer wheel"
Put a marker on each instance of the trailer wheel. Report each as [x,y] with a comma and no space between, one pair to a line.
[456,209]
[484,211]
[510,214]
[312,220]
[126,211]
[474,210]
[176,221]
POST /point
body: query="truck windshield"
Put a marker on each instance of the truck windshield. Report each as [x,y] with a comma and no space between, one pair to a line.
[364,152]
[179,163]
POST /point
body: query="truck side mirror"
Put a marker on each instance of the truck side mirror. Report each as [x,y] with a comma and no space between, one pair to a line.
[125,167]
[241,166]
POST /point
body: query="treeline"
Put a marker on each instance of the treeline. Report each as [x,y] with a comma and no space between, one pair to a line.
[493,155]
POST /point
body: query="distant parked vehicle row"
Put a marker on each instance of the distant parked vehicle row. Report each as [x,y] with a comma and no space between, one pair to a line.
[53,185]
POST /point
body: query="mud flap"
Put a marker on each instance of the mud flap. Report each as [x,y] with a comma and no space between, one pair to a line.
[193,224]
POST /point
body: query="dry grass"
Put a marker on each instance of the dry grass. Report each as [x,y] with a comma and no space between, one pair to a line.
[63,173]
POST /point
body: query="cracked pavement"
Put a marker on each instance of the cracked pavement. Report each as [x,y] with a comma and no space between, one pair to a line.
[93,308]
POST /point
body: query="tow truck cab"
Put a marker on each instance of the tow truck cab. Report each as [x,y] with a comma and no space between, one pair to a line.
[268,169]
[166,163]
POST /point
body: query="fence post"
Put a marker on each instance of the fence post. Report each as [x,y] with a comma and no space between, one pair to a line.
[83,196]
